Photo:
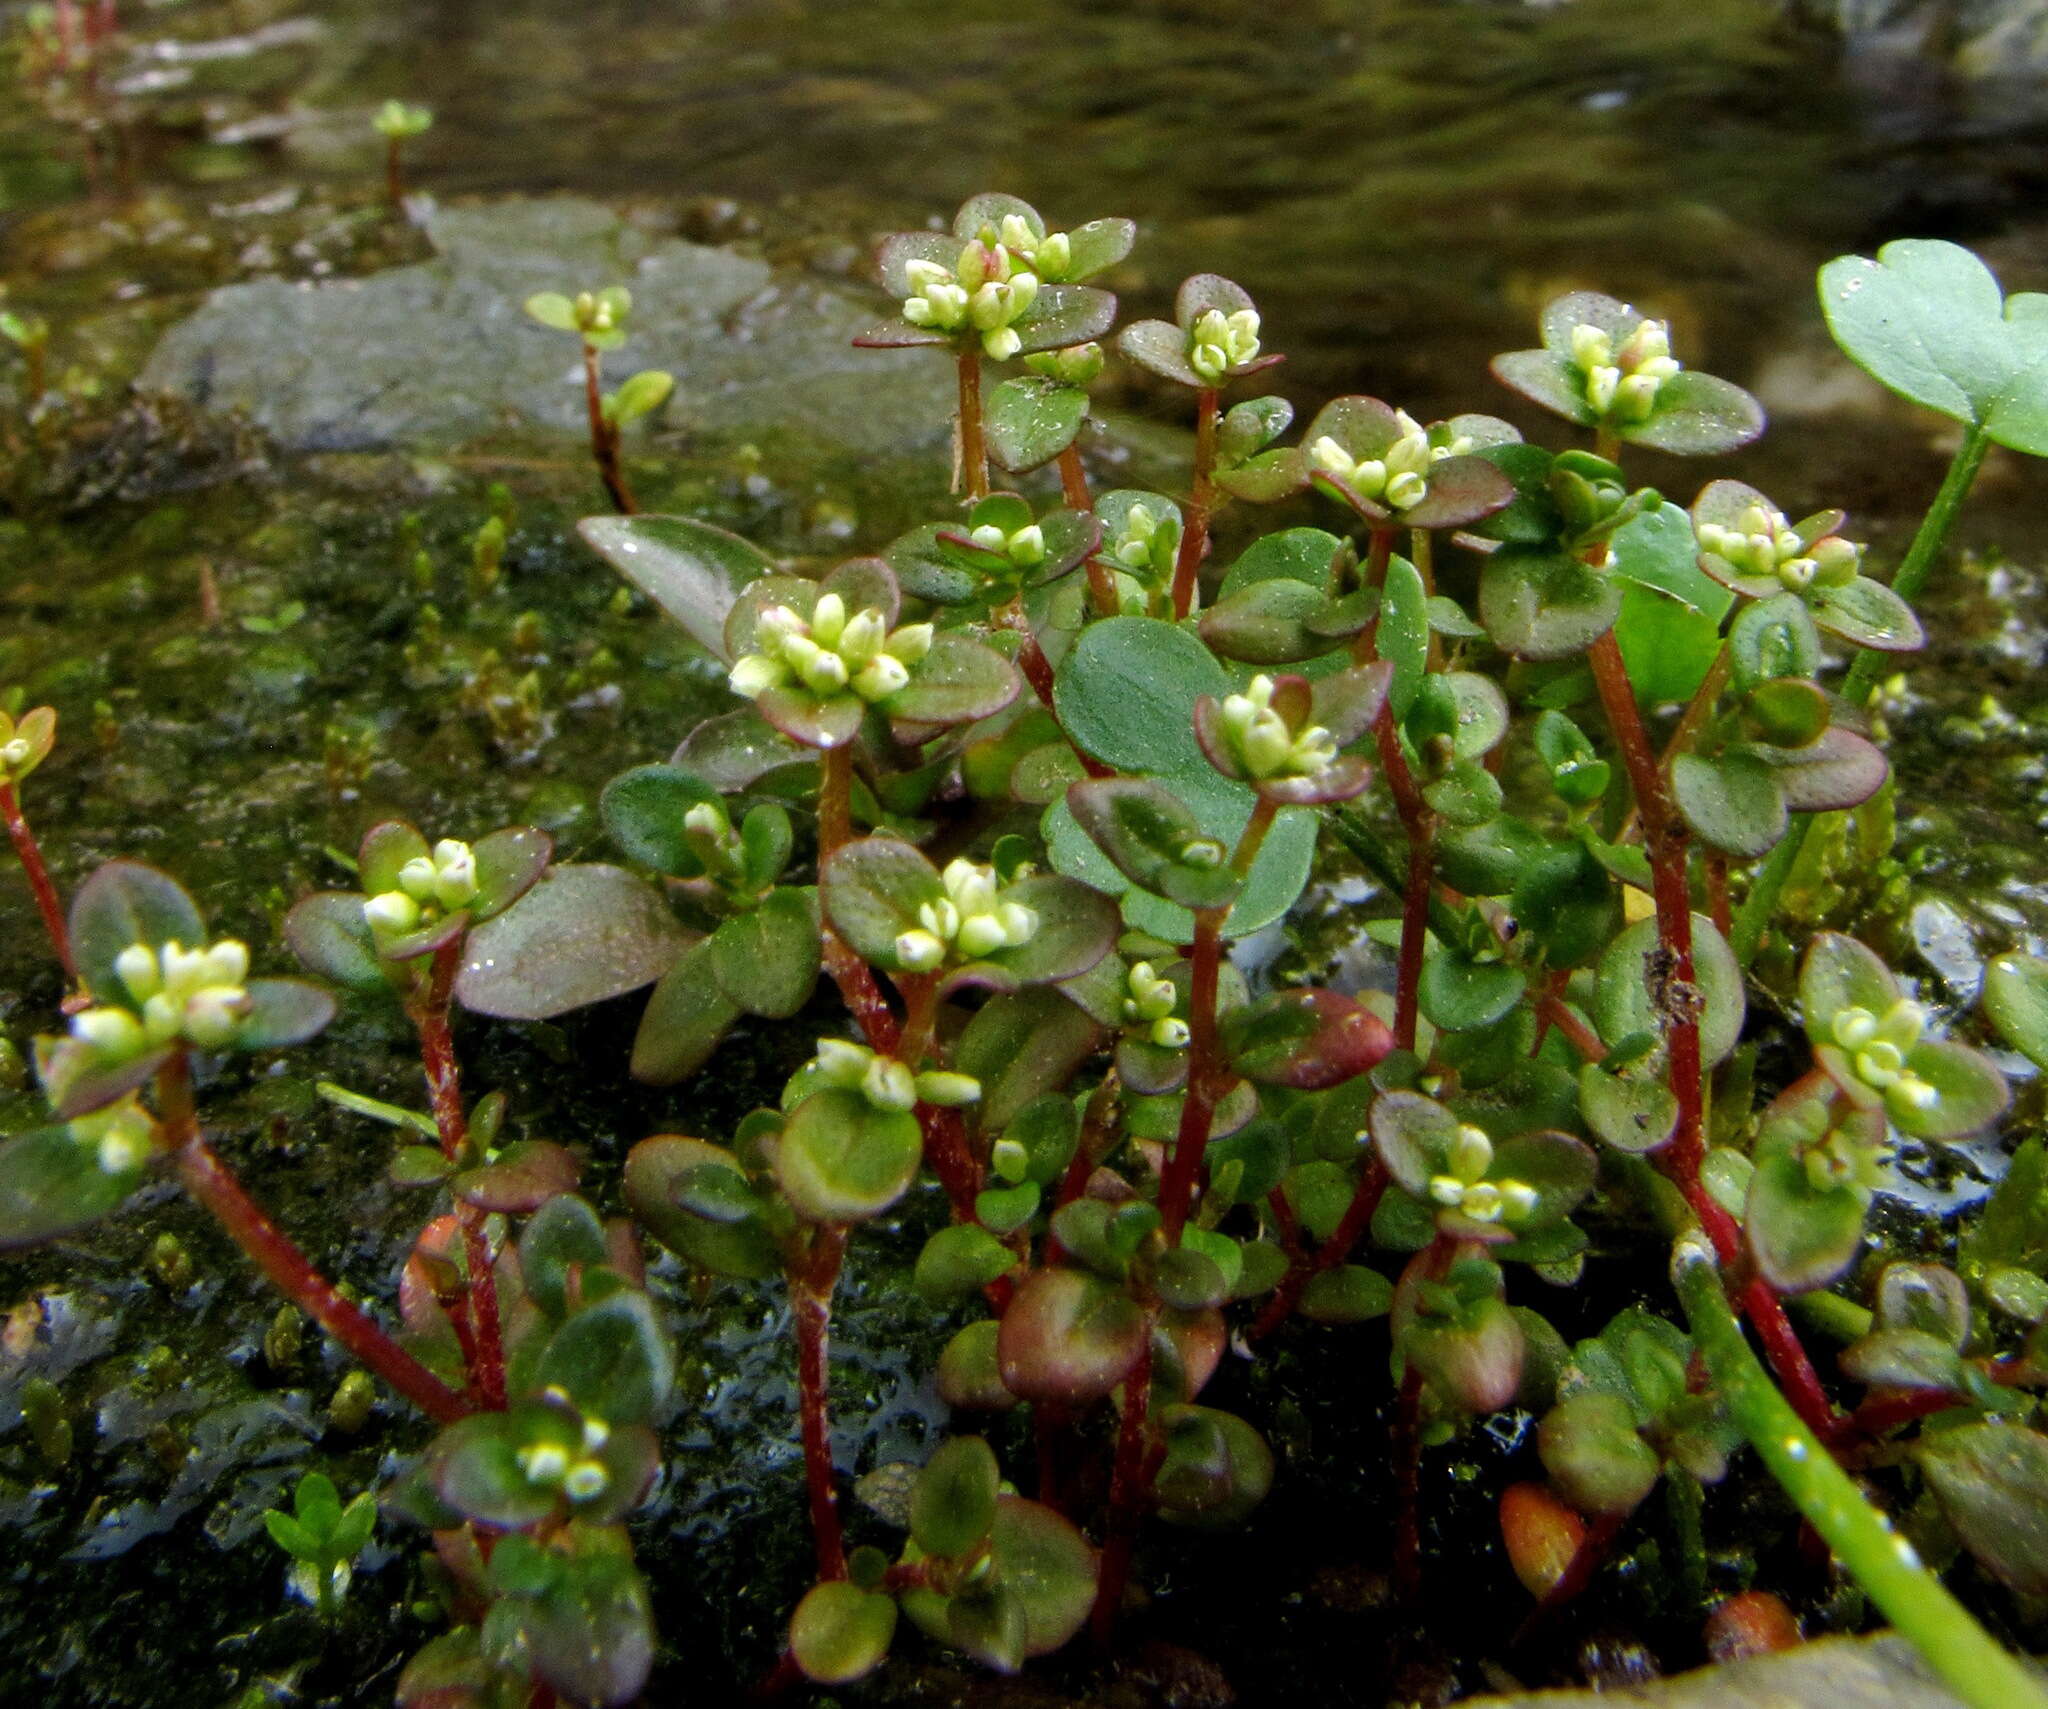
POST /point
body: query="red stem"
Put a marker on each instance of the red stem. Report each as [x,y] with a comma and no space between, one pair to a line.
[394,179]
[810,1303]
[855,979]
[604,437]
[1408,1458]
[1177,1184]
[1420,824]
[38,875]
[973,440]
[444,1083]
[1194,540]
[1305,1266]
[1127,1486]
[213,1184]
[1074,480]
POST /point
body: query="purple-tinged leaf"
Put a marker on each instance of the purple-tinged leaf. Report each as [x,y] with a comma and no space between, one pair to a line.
[1698,415]
[1061,315]
[282,1012]
[957,682]
[895,252]
[584,933]
[1838,769]
[1546,379]
[1161,348]
[51,1184]
[520,1179]
[690,569]
[508,864]
[332,940]
[1869,614]
[124,903]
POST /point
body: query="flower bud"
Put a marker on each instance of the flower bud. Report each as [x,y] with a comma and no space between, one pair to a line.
[1591,348]
[828,620]
[1854,1027]
[1053,255]
[948,1090]
[123,1147]
[586,1480]
[111,1032]
[1470,1153]
[1482,1202]
[941,918]
[1635,397]
[1903,1024]
[1001,344]
[707,819]
[756,674]
[416,878]
[393,913]
[1019,923]
[137,968]
[1404,491]
[1264,747]
[824,674]
[990,538]
[919,951]
[980,935]
[455,875]
[1837,562]
[841,1061]
[161,1018]
[1170,1033]
[214,1016]
[888,1085]
[880,677]
[1600,388]
[910,643]
[544,1462]
[1027,546]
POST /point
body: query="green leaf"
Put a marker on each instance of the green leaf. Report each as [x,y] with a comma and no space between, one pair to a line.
[124,903]
[2016,999]
[1802,1236]
[1460,994]
[685,1018]
[958,681]
[872,890]
[691,570]
[840,1632]
[1666,647]
[659,1172]
[842,1160]
[1868,614]
[1656,549]
[584,933]
[509,863]
[51,1184]
[767,959]
[563,1236]
[1348,1293]
[1541,603]
[643,810]
[552,309]
[1732,801]
[1022,1045]
[329,935]
[958,1260]
[1773,638]
[1926,319]
[1217,1468]
[643,394]
[1065,314]
[613,1360]
[1623,1003]
[1306,555]
[953,1504]
[1268,622]
[1840,973]
[1403,634]
[1698,415]
[1032,420]
[1069,1336]
[1631,1112]
[1146,831]
[1992,1483]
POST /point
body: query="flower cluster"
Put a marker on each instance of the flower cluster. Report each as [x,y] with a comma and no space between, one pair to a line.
[1024,547]
[1877,1048]
[1218,342]
[199,995]
[1763,543]
[970,921]
[832,653]
[121,1135]
[886,1083]
[571,1467]
[985,291]
[23,745]
[1049,256]
[1076,365]
[1261,742]
[1398,477]
[1846,1156]
[429,887]
[1463,1186]
[1149,1003]
[1147,545]
[1622,381]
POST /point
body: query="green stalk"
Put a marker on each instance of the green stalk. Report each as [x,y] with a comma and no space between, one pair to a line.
[1921,557]
[1969,1662]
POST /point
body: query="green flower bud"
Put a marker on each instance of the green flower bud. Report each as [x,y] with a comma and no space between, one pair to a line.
[543,1462]
[1170,1033]
[393,913]
[586,1480]
[888,1085]
[114,1033]
[842,1062]
[949,1090]
[919,951]
[754,675]
[136,966]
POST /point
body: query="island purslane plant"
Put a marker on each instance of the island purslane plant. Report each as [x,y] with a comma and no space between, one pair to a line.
[1019,820]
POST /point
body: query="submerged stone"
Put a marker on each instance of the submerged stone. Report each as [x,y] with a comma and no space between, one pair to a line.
[442,353]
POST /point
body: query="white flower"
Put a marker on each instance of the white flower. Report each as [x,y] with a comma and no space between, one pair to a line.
[1218,342]
[1623,380]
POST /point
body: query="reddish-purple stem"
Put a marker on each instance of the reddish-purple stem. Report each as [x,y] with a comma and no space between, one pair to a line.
[1194,539]
[38,874]
[810,1303]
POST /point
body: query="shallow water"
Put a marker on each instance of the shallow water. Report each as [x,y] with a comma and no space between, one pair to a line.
[1400,185]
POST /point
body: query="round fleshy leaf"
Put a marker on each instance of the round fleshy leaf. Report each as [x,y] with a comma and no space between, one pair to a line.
[1869,614]
[872,890]
[1022,1045]
[1545,379]
[1161,348]
[282,1012]
[1561,1169]
[2016,999]
[840,1632]
[842,1160]
[386,849]
[584,933]
[1698,415]
[1631,1112]
[1460,994]
[953,1504]
[519,1179]
[658,1173]
[1801,1236]
[895,252]
[691,570]
[1413,1135]
[1216,1471]
[1306,1039]
[1991,1480]
[1839,769]
[1143,828]
[1062,315]
[77,1080]
[643,810]
[124,903]
[1068,1336]
[1732,801]
[332,940]
[1540,603]
[1971,1093]
[508,864]
[1267,623]
[928,567]
[1624,1004]
[737,749]
[474,1467]
[1032,420]
[1462,491]
[1595,1457]
[686,1017]
[1772,639]
[1076,928]
[803,717]
[767,959]
[957,682]
[52,1184]
[614,1360]
[1840,973]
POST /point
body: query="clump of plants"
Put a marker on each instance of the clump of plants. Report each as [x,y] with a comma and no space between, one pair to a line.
[1013,789]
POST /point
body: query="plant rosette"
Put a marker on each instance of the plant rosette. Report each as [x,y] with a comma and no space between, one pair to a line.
[1747,544]
[1396,473]
[159,985]
[25,742]
[1283,735]
[814,657]
[1872,1040]
[1001,549]
[416,898]
[1212,339]
[1000,282]
[1608,366]
[597,317]
[1481,1191]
